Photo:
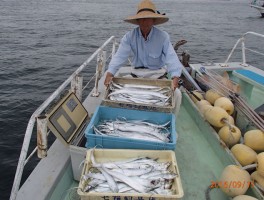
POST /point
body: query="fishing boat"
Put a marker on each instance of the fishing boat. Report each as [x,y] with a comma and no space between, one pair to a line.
[259,5]
[201,154]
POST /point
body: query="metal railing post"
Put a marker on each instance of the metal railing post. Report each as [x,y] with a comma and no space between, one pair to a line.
[42,136]
[232,51]
[100,68]
[243,51]
[76,86]
[114,48]
[243,48]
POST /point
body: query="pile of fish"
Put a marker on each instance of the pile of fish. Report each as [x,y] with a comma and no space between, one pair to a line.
[134,129]
[135,175]
[141,94]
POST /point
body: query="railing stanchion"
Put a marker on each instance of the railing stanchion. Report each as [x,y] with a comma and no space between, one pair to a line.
[42,136]
[100,68]
[76,86]
[243,51]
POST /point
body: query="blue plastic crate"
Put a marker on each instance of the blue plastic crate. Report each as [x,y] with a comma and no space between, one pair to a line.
[110,113]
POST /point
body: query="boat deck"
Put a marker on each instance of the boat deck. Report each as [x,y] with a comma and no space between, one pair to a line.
[200,157]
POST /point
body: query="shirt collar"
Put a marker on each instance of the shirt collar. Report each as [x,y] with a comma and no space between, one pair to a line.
[149,35]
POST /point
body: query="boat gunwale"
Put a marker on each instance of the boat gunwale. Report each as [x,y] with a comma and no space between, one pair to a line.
[23,159]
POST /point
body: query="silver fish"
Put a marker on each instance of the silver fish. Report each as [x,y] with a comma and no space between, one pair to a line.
[129,181]
[110,180]
[133,172]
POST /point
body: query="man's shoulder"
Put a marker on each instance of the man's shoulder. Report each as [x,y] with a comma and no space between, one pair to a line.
[132,32]
[159,32]
[131,35]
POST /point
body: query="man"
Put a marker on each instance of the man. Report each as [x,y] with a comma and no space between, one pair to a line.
[152,52]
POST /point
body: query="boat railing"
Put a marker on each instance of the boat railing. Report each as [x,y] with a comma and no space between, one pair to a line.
[257,3]
[242,40]
[75,81]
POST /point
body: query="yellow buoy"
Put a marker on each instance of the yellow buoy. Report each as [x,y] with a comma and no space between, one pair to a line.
[202,102]
[226,104]
[244,197]
[254,139]
[244,154]
[230,135]
[216,116]
[204,108]
[232,179]
[258,178]
[260,162]
[211,95]
[231,120]
[198,94]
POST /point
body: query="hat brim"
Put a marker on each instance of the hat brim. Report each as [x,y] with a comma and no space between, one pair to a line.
[158,18]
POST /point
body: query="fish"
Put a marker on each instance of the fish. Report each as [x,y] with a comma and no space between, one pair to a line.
[143,94]
[134,129]
[93,183]
[129,181]
[110,180]
[133,172]
[132,175]
[139,92]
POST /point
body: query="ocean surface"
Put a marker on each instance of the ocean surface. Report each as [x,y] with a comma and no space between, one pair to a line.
[43,41]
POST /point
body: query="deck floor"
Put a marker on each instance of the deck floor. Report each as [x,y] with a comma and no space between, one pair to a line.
[198,164]
[199,155]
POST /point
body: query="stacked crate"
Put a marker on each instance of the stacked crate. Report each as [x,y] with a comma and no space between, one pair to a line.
[118,148]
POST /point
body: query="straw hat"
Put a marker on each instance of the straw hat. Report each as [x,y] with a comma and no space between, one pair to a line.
[147,9]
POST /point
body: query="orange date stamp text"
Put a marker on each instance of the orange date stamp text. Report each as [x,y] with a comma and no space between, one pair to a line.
[231,184]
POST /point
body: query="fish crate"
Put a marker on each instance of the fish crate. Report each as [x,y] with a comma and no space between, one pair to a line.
[113,155]
[111,142]
[164,83]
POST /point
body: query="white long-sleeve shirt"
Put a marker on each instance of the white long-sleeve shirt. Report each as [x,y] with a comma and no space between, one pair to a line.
[153,53]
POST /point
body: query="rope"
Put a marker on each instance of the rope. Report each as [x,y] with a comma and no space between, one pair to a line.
[213,80]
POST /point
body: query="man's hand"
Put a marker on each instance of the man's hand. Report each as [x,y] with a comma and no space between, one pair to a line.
[108,79]
[175,81]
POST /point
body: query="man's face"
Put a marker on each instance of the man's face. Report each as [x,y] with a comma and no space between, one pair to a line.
[146,24]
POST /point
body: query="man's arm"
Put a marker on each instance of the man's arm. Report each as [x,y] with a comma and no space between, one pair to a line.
[120,56]
[174,65]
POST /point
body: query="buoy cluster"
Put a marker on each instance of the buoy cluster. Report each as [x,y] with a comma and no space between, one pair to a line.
[247,148]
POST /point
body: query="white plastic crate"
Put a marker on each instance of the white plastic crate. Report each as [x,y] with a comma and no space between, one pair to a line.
[108,155]
[138,106]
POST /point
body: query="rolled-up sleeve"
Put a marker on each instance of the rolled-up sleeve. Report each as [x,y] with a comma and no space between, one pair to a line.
[121,56]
